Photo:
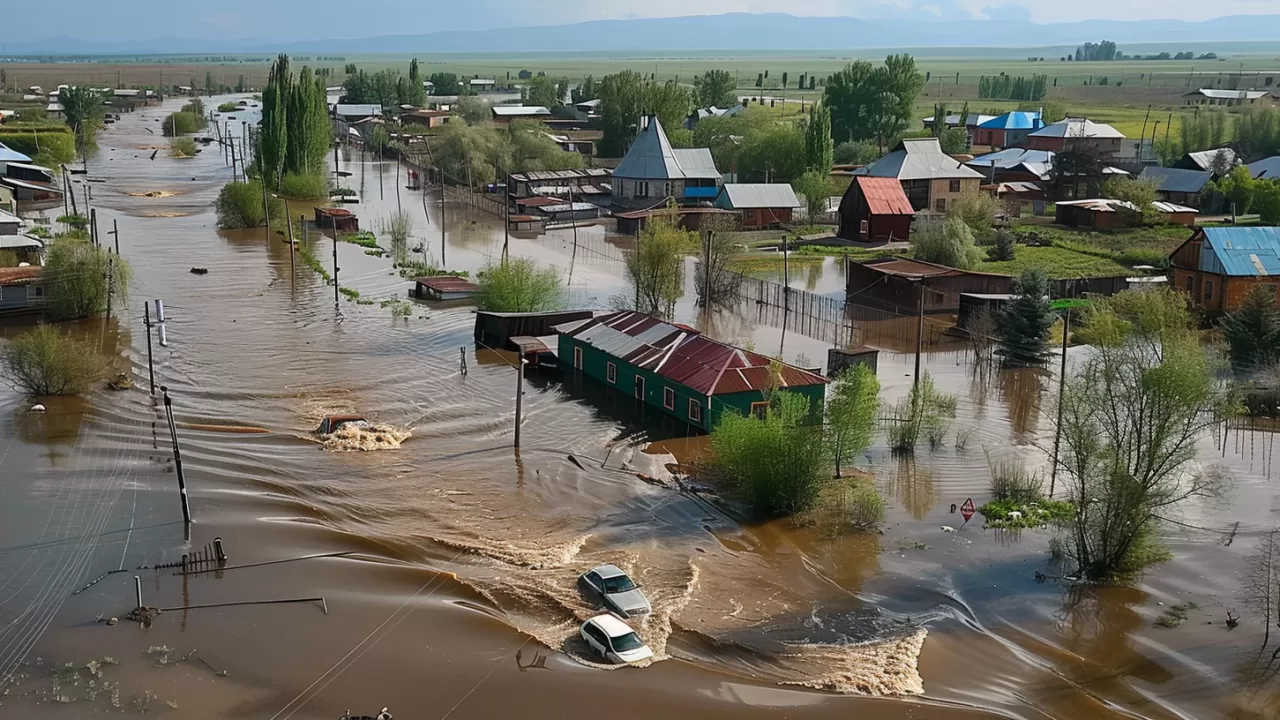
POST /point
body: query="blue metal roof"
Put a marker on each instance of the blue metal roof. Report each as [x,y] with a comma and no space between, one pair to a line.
[1014,120]
[1241,251]
[7,155]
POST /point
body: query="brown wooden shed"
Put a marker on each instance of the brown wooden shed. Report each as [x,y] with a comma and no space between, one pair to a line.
[875,209]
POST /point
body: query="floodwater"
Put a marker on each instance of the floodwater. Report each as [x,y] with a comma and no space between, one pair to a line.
[450,561]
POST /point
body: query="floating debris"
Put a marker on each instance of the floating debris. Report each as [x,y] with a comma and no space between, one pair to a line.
[364,436]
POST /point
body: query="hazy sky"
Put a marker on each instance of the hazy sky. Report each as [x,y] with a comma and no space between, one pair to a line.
[284,20]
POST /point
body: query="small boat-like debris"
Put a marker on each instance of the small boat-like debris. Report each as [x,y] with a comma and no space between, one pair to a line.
[330,423]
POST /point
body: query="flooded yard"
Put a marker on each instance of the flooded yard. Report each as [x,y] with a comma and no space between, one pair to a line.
[450,563]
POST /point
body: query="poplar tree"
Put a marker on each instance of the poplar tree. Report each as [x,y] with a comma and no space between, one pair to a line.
[818,148]
[273,137]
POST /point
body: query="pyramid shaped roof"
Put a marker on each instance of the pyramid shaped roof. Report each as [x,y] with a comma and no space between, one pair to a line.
[650,156]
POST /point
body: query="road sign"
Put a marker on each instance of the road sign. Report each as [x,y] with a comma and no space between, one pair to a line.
[967,509]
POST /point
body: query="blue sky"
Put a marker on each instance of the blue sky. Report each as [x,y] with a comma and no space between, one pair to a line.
[285,20]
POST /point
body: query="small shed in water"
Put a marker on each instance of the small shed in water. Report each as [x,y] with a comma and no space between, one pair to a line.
[444,287]
[975,305]
[840,358]
[337,219]
[897,283]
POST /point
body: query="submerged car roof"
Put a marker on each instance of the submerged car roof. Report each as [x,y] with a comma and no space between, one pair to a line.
[608,571]
[612,626]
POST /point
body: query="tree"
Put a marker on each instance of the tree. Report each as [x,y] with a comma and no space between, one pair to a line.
[873,103]
[947,243]
[417,92]
[307,134]
[851,413]
[656,268]
[816,187]
[1023,325]
[772,153]
[1252,331]
[1266,200]
[1239,188]
[542,92]
[46,362]
[1005,247]
[473,110]
[856,153]
[818,150]
[1132,414]
[777,463]
[378,140]
[445,84]
[519,285]
[627,96]
[1258,132]
[80,276]
[1138,192]
[954,141]
[239,205]
[584,91]
[975,209]
[273,138]
[83,109]
[714,278]
[715,87]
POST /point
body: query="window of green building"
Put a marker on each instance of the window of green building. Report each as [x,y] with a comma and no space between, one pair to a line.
[611,372]
[668,398]
[695,411]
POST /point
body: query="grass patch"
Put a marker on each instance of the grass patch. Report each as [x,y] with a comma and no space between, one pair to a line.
[416,269]
[183,147]
[853,253]
[302,186]
[773,261]
[999,513]
[1176,615]
[364,238]
[350,293]
[1058,263]
[228,107]
[845,504]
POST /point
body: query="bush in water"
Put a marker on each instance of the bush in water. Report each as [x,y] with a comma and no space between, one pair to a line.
[46,362]
[239,205]
[183,147]
[80,276]
[182,123]
[304,186]
[519,285]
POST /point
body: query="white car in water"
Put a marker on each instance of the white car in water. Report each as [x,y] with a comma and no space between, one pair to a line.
[618,591]
[614,640]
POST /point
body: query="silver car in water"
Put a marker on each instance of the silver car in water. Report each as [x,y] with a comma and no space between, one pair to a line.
[617,591]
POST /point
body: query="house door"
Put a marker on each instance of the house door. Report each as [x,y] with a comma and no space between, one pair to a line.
[639,389]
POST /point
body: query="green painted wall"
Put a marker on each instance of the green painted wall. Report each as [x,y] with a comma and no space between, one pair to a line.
[595,364]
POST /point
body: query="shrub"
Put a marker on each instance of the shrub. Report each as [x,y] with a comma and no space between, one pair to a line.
[856,153]
[46,362]
[8,259]
[1011,480]
[975,209]
[228,107]
[947,243]
[777,463]
[1023,325]
[304,186]
[79,222]
[519,285]
[81,278]
[1004,249]
[239,205]
[183,147]
[845,504]
[925,410]
[183,123]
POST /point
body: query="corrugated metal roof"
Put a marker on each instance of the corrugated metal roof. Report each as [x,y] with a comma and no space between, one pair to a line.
[1078,128]
[884,196]
[519,110]
[1011,157]
[1229,94]
[1205,159]
[650,156]
[365,110]
[8,155]
[760,195]
[1241,251]
[697,163]
[1176,179]
[920,159]
[18,275]
[16,242]
[1014,120]
[1168,207]
[1266,167]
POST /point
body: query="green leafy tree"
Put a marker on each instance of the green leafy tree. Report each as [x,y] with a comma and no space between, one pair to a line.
[273,138]
[947,243]
[82,109]
[819,152]
[716,87]
[976,209]
[656,268]
[445,84]
[815,187]
[1266,200]
[474,110]
[1005,247]
[44,361]
[1239,187]
[627,96]
[417,93]
[586,90]
[1023,325]
[715,279]
[1138,192]
[862,152]
[777,463]
[1132,414]
[542,91]
[519,285]
[873,103]
[772,153]
[851,413]
[239,205]
[80,277]
[1252,331]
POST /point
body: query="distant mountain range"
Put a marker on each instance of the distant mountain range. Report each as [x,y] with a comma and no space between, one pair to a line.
[735,31]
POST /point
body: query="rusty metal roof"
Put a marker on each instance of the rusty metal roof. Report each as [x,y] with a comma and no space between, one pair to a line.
[19,275]
[884,195]
[448,283]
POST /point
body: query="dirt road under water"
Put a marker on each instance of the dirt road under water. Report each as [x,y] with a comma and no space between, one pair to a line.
[456,596]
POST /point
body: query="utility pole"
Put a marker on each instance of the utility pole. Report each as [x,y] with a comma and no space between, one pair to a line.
[177,456]
[506,218]
[519,396]
[443,261]
[115,230]
[1062,383]
[266,210]
[335,262]
[915,381]
[151,368]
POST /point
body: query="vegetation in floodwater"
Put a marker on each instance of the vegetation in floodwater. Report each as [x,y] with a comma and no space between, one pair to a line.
[519,285]
[399,308]
[1034,514]
[364,238]
[926,411]
[44,361]
[309,257]
[1176,615]
[240,205]
[416,269]
[350,293]
[376,252]
[227,107]
[183,147]
[304,186]
[79,222]
[342,192]
[41,232]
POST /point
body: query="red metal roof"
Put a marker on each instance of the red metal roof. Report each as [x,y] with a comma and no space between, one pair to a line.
[333,212]
[539,201]
[884,195]
[18,275]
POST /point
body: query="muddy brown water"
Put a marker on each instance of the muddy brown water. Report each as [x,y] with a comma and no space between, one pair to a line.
[458,597]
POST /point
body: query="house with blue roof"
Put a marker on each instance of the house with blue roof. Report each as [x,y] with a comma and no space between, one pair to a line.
[1007,130]
[1218,265]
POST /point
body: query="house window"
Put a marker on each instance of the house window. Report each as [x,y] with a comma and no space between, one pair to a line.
[954,186]
[611,372]
[940,205]
[669,398]
[864,228]
[638,387]
[577,358]
[1208,289]
[695,411]
[39,291]
[642,189]
[1191,283]
[759,410]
